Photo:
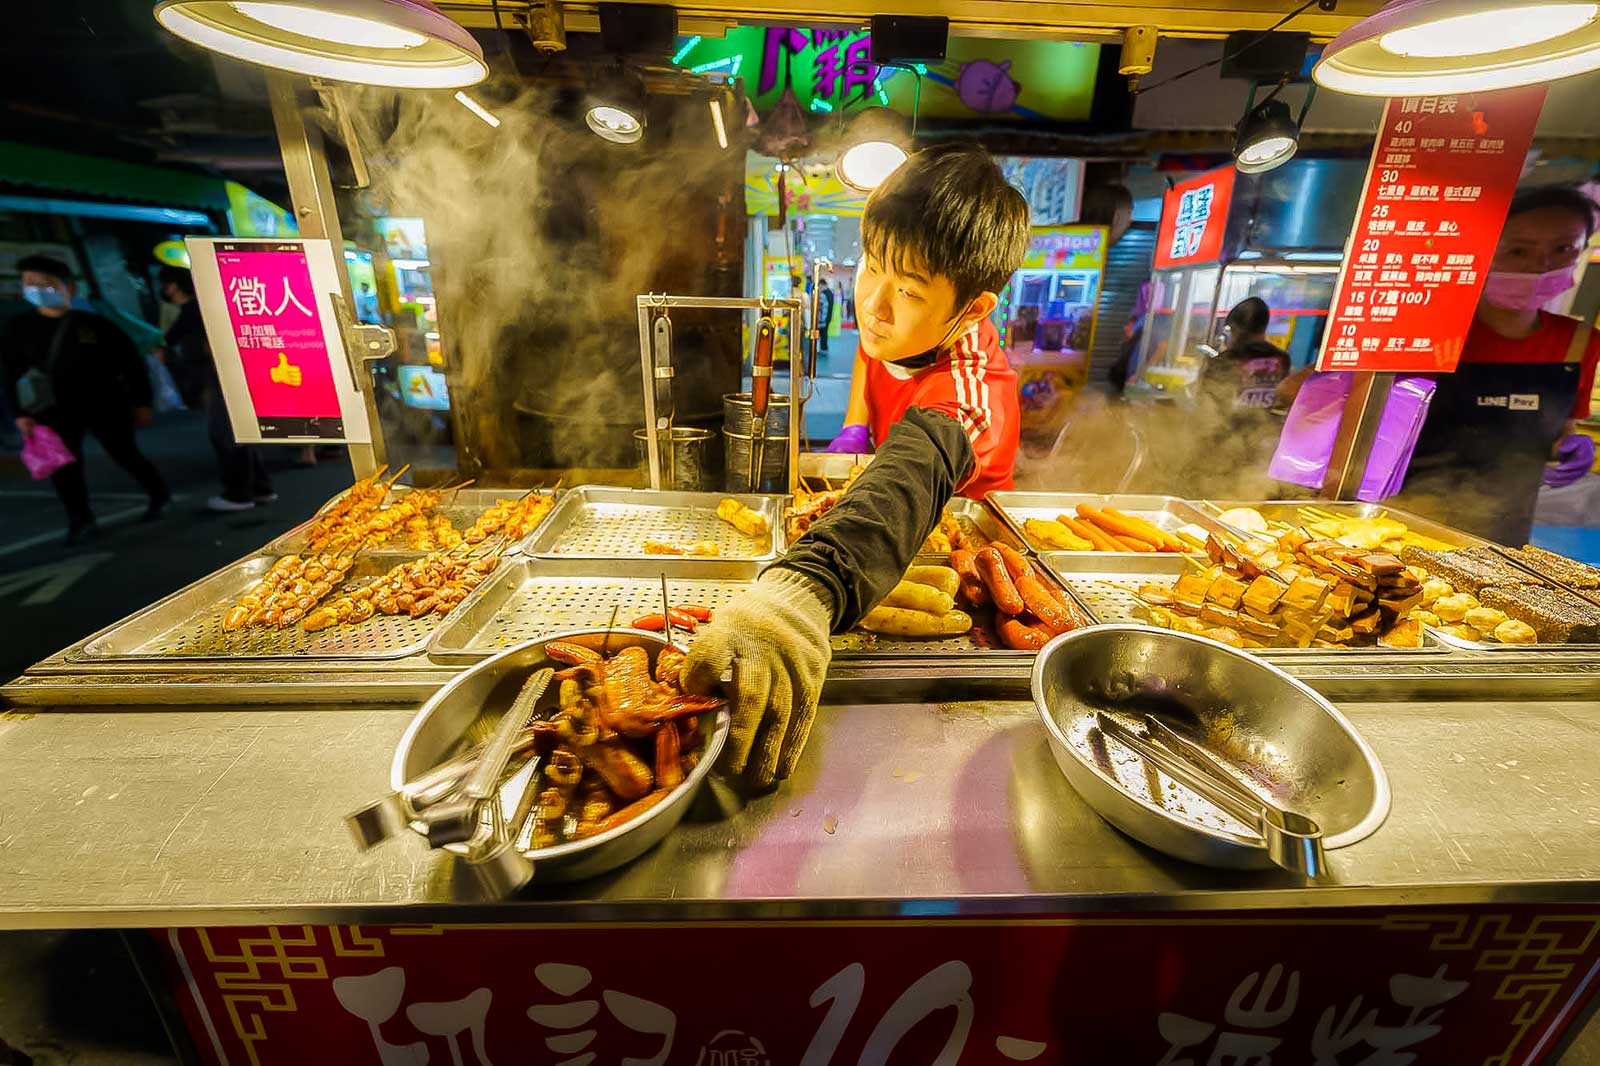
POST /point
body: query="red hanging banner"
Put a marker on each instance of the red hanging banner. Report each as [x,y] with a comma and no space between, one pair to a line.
[1443,173]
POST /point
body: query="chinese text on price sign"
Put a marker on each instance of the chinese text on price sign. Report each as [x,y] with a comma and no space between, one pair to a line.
[1443,173]
[1349,988]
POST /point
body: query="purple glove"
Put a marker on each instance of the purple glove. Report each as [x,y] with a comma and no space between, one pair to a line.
[1574,458]
[853,440]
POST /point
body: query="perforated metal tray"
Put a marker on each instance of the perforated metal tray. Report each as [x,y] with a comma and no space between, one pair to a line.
[1110,593]
[1289,511]
[528,598]
[974,517]
[462,507]
[187,625]
[1015,508]
[595,522]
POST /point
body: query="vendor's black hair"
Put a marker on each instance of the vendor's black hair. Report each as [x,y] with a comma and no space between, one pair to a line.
[44,264]
[949,210]
[1250,315]
[1560,198]
[176,275]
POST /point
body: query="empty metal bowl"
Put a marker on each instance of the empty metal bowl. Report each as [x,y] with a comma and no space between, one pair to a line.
[487,689]
[1292,746]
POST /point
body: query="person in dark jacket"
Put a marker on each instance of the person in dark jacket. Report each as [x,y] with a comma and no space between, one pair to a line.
[244,477]
[78,374]
[941,238]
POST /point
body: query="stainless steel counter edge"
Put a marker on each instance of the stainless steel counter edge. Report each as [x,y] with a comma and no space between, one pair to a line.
[998,908]
[54,684]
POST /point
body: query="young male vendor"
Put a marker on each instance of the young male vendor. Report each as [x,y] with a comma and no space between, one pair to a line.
[940,238]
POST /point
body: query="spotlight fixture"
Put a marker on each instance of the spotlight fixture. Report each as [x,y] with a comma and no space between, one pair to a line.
[1266,138]
[1413,47]
[397,43]
[875,143]
[614,109]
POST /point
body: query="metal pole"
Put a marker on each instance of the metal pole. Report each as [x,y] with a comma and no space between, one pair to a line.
[1358,428]
[305,163]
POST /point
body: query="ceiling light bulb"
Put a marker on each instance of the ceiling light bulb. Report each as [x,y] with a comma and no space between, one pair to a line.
[865,166]
[614,124]
[1269,149]
[1484,32]
[330,26]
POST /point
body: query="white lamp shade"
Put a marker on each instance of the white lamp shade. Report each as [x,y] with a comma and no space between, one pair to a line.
[1417,47]
[398,43]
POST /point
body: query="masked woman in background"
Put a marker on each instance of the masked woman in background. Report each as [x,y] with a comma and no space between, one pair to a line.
[1502,424]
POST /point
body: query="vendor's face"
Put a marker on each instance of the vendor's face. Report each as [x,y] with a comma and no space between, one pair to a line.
[901,315]
[1537,242]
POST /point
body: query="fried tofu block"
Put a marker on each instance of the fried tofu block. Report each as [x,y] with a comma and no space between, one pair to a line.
[1380,564]
[1226,591]
[1405,634]
[1212,614]
[1368,624]
[1342,599]
[1336,634]
[1306,594]
[1399,607]
[1263,594]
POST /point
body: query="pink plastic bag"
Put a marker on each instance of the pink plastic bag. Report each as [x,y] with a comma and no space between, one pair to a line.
[43,452]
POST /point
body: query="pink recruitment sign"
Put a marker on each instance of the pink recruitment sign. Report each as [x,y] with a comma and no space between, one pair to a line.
[272,313]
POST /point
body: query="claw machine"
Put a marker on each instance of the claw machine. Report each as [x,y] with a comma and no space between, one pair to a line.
[1224,236]
[1049,318]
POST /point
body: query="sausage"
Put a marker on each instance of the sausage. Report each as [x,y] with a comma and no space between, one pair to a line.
[683,619]
[994,571]
[701,613]
[1019,636]
[1035,593]
[971,590]
[1077,619]
[655,623]
[1092,533]
[1125,527]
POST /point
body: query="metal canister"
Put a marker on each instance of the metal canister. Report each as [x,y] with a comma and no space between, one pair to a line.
[691,458]
[737,435]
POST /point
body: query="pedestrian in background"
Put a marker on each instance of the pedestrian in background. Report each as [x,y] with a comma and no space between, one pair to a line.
[824,315]
[188,352]
[77,373]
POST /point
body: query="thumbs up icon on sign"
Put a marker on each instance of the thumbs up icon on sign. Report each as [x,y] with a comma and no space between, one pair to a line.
[285,373]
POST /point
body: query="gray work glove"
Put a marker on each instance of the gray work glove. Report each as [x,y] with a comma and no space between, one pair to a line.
[775,639]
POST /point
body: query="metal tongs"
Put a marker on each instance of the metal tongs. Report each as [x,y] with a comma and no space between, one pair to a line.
[1293,840]
[760,396]
[666,410]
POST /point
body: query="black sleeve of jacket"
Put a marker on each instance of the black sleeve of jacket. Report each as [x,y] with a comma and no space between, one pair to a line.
[12,366]
[861,548]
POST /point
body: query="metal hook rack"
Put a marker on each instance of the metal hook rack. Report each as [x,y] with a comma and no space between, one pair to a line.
[798,385]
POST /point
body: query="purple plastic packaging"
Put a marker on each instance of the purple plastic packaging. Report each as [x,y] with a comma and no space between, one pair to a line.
[1306,444]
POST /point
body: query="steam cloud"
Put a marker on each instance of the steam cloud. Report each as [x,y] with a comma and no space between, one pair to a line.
[541,235]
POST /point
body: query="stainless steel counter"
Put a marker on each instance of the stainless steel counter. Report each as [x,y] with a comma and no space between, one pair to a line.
[133,817]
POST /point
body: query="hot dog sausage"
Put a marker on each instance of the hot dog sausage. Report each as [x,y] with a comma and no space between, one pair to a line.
[996,575]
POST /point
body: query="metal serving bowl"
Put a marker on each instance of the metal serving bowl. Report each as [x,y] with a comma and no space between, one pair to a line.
[488,688]
[1296,750]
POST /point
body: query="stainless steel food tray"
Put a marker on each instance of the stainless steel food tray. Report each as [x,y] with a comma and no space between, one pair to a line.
[530,598]
[1166,512]
[974,518]
[594,522]
[187,626]
[1289,511]
[462,507]
[1108,593]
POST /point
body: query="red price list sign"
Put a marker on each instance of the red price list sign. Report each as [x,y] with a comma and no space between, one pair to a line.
[1442,176]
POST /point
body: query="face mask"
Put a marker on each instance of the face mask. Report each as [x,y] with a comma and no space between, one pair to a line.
[933,353]
[44,296]
[1527,292]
